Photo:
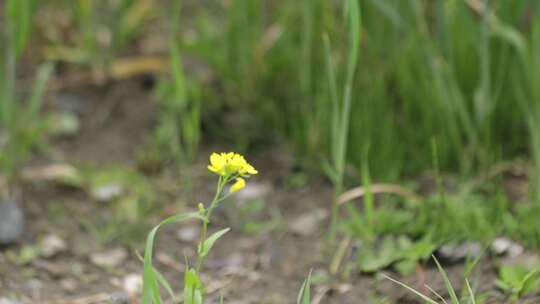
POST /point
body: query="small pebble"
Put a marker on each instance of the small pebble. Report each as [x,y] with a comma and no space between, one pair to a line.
[51,245]
[110,258]
[64,124]
[11,222]
[307,224]
[188,234]
[70,103]
[459,252]
[253,191]
[107,193]
[4,300]
[505,246]
[132,284]
[119,298]
[35,286]
[69,284]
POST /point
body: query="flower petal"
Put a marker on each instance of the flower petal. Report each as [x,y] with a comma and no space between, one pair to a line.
[238,185]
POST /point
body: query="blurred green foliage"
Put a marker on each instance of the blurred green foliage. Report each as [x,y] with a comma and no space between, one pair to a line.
[448,85]
[20,123]
[451,71]
[461,73]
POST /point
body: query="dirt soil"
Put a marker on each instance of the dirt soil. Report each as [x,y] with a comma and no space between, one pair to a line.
[265,264]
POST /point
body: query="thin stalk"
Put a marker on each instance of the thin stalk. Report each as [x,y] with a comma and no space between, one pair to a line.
[307,41]
[8,102]
[306,72]
[354,32]
[334,98]
[221,183]
[369,204]
[485,103]
[332,83]
[352,14]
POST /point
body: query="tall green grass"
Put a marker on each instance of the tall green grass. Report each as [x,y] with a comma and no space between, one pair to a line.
[462,72]
[177,134]
[341,103]
[455,73]
[20,126]
[430,69]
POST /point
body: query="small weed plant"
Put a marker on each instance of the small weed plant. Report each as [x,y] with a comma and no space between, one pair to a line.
[436,298]
[232,170]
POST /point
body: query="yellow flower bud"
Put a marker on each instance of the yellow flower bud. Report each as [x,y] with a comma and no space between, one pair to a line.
[202,210]
[238,185]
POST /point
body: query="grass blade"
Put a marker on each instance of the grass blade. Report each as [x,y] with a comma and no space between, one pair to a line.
[161,280]
[447,283]
[209,242]
[304,295]
[421,295]
[470,291]
[43,75]
[150,278]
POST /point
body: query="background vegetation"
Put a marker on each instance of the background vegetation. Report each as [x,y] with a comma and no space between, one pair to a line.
[368,92]
[461,74]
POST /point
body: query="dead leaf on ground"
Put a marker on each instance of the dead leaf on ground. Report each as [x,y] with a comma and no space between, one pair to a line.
[59,172]
[120,69]
[377,189]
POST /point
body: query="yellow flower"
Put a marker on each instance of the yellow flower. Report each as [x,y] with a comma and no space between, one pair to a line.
[217,163]
[241,166]
[227,164]
[248,169]
[238,185]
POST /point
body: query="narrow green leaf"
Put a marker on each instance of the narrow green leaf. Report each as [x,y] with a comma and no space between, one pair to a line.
[304,295]
[192,288]
[329,170]
[43,75]
[528,279]
[161,280]
[150,279]
[447,283]
[471,293]
[421,295]
[209,242]
[334,98]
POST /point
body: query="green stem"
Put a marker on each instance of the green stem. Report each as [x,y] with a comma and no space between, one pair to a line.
[221,183]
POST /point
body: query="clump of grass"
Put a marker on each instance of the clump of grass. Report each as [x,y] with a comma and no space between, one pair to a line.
[341,110]
[429,70]
[437,298]
[20,123]
[449,70]
[177,135]
[518,280]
